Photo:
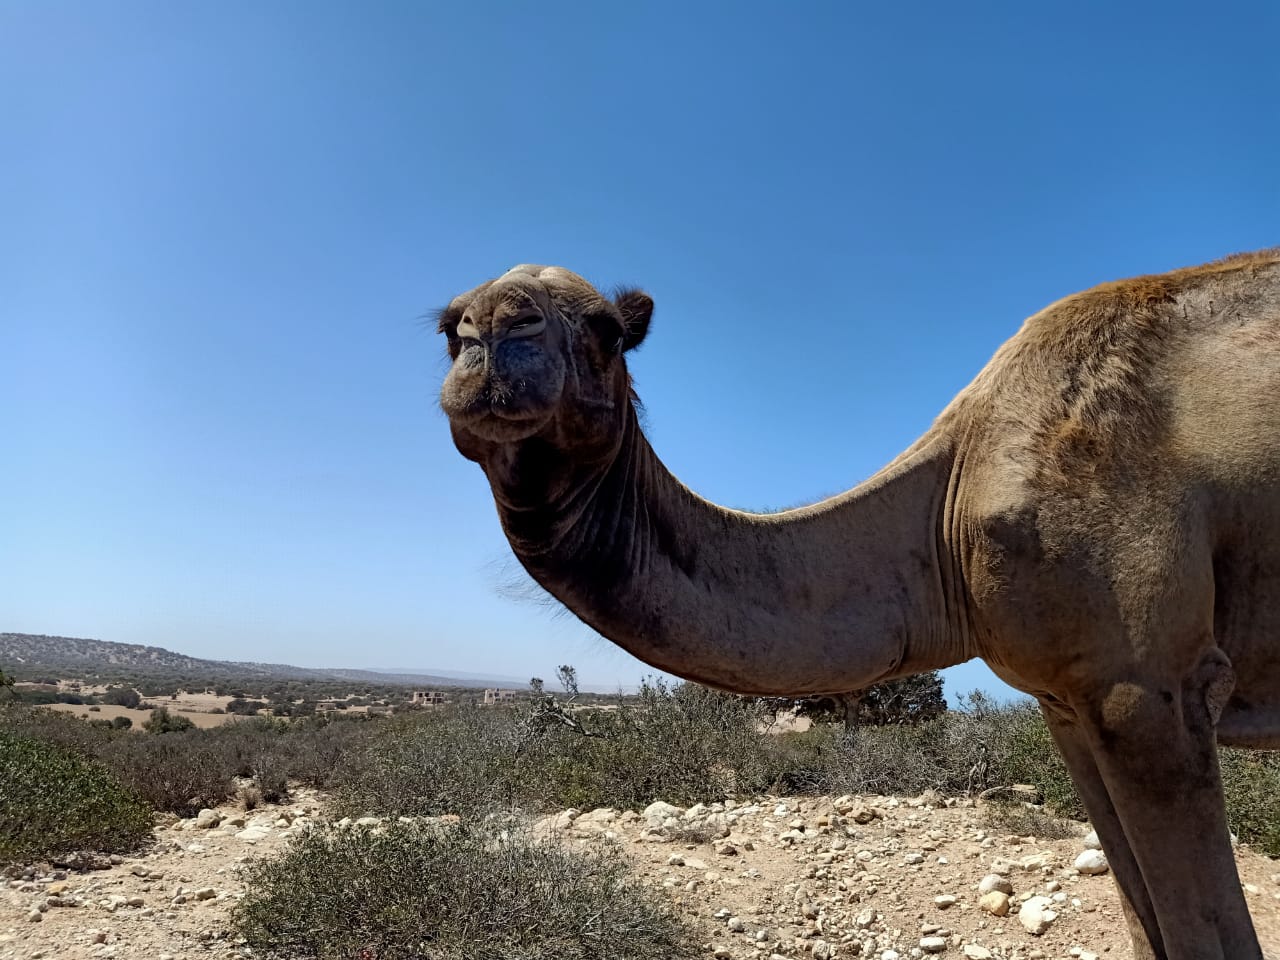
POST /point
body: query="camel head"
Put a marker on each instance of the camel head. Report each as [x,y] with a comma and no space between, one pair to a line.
[538,352]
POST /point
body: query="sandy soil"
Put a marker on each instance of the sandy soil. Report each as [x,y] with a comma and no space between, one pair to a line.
[804,880]
[141,715]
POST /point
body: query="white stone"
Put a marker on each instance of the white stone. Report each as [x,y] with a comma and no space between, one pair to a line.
[974,952]
[1092,862]
[1091,841]
[993,881]
[933,944]
[251,834]
[1036,916]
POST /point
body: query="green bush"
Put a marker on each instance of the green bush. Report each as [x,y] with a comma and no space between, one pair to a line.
[53,801]
[122,697]
[162,721]
[410,890]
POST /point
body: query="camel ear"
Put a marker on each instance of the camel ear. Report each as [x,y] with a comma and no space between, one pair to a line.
[636,308]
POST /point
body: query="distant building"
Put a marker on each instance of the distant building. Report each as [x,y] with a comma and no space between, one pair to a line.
[428,698]
[492,695]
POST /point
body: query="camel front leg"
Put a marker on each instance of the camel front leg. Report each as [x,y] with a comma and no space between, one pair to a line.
[1152,743]
[1140,915]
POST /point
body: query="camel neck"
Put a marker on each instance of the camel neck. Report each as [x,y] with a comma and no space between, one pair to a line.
[823,599]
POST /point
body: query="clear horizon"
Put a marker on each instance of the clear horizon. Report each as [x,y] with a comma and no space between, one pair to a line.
[224,223]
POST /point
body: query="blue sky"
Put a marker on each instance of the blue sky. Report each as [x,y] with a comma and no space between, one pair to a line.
[220,224]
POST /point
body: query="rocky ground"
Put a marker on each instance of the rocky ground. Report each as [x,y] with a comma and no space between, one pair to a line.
[803,878]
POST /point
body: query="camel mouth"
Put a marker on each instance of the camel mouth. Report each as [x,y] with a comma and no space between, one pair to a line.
[496,419]
[504,401]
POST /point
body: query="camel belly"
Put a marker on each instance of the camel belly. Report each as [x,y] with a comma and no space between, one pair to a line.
[1247,628]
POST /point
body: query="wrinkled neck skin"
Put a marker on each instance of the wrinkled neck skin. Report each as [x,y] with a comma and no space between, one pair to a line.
[824,599]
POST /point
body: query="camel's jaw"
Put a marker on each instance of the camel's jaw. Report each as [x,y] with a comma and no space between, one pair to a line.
[502,396]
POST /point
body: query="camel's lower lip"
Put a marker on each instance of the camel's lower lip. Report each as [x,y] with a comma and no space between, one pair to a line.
[497,421]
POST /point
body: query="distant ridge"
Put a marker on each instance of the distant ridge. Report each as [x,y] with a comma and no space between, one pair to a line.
[82,657]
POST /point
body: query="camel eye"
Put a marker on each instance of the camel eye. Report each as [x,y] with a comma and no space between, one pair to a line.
[527,326]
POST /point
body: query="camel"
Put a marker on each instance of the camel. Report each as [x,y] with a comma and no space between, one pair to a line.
[1096,516]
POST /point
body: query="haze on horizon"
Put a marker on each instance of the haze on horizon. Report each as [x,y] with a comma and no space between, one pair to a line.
[222,225]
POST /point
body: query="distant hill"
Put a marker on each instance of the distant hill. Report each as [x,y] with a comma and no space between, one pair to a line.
[85,658]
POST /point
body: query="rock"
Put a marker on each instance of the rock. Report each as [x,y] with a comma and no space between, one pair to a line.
[1091,841]
[206,893]
[736,924]
[251,834]
[35,916]
[944,902]
[933,944]
[659,811]
[974,952]
[207,819]
[995,903]
[1036,916]
[1092,862]
[993,881]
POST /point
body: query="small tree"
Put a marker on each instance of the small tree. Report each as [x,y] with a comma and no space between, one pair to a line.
[6,686]
[162,721]
[122,697]
[906,700]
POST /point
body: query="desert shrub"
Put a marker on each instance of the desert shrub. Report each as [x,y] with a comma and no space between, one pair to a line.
[456,761]
[121,723]
[1027,821]
[1024,752]
[325,746]
[411,890]
[682,744]
[56,727]
[178,773]
[53,800]
[1251,780]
